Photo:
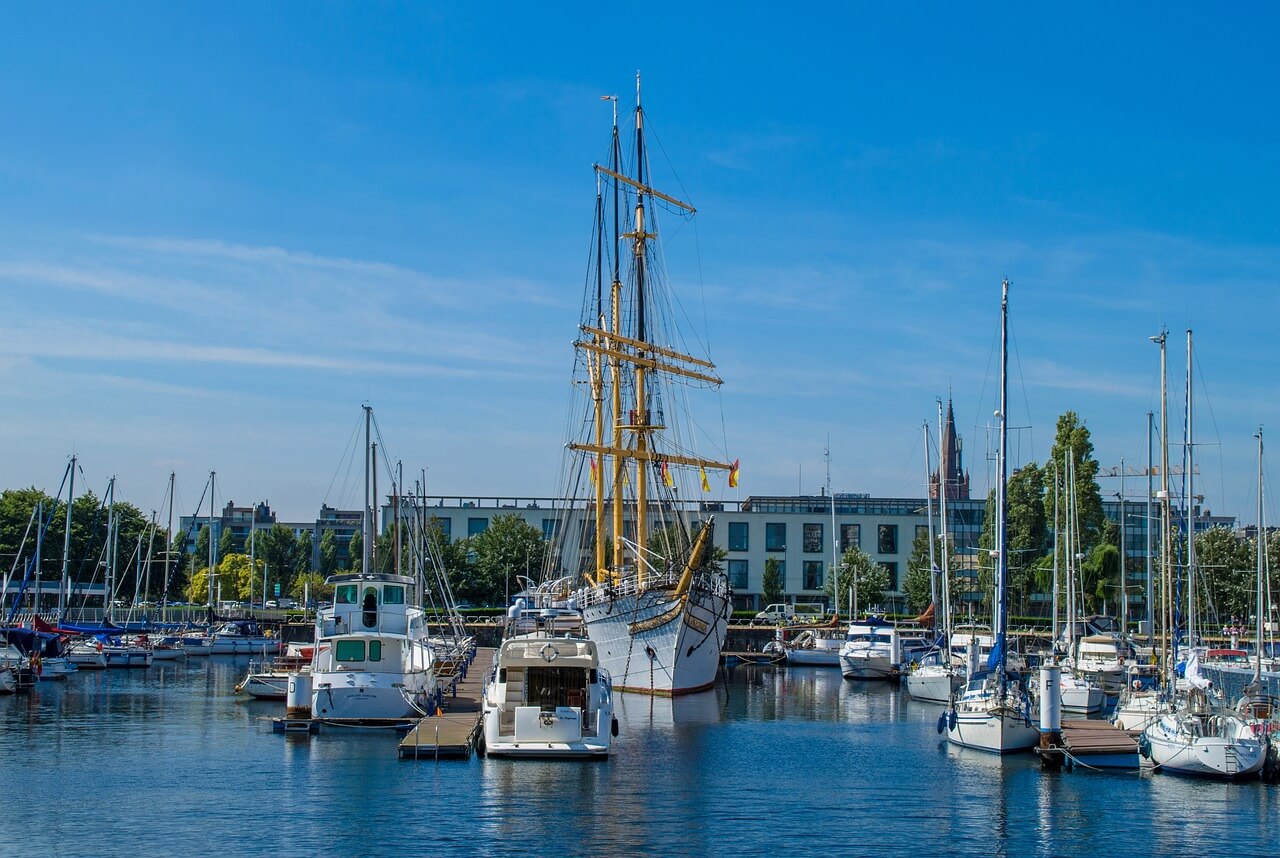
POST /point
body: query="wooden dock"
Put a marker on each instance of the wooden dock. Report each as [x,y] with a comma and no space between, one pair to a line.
[453,734]
[753,657]
[1098,745]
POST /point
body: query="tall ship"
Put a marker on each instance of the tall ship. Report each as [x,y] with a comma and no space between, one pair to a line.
[654,600]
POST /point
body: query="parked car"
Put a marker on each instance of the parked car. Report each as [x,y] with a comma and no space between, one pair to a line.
[272,604]
[784,614]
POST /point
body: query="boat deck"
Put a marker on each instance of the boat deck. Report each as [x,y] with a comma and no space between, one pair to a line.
[452,735]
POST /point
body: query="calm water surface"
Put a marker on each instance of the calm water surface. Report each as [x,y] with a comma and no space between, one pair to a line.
[168,761]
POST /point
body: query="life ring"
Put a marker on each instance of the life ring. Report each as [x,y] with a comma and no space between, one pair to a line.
[549,653]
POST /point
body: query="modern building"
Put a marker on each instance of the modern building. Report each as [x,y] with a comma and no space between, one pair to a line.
[240,520]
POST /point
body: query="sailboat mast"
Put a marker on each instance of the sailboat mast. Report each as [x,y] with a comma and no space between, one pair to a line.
[1190,504]
[1259,609]
[373,510]
[1166,578]
[212,542]
[168,545]
[1151,627]
[1057,483]
[946,547]
[364,519]
[65,587]
[641,427]
[835,541]
[1002,621]
[928,504]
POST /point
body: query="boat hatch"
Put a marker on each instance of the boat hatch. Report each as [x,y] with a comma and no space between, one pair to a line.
[356,650]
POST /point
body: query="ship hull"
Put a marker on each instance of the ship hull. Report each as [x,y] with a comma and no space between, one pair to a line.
[657,642]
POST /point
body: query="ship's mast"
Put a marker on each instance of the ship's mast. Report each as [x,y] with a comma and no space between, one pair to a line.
[641,427]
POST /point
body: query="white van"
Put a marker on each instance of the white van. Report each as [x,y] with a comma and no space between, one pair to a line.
[783,614]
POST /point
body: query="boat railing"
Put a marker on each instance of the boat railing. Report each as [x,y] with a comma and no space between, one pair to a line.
[355,622]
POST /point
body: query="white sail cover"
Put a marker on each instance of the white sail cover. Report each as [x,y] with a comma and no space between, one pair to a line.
[1194,679]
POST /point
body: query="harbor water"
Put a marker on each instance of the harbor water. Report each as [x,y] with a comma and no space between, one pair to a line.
[169,761]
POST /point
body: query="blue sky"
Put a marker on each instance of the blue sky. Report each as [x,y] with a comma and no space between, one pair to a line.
[223,229]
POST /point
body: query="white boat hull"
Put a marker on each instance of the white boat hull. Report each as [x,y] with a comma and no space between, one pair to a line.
[933,684]
[266,686]
[56,668]
[1000,732]
[867,667]
[654,643]
[1079,696]
[168,653]
[358,697]
[8,684]
[816,657]
[244,646]
[1222,757]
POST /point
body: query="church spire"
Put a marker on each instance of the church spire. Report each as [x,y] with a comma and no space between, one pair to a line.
[951,462]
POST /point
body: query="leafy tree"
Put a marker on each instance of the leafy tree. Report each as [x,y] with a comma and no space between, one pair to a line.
[228,574]
[328,553]
[1100,577]
[916,584]
[312,584]
[1227,567]
[1026,531]
[202,545]
[509,547]
[226,542]
[355,552]
[1073,438]
[773,585]
[302,551]
[872,579]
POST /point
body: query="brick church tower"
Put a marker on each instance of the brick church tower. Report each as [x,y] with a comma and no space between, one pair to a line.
[951,463]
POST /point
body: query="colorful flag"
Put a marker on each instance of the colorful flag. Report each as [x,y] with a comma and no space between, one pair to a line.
[733,475]
[593,472]
[667,479]
[706,486]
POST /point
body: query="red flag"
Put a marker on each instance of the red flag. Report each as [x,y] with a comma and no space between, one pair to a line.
[733,475]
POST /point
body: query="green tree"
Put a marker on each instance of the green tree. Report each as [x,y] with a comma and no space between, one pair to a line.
[508,548]
[916,584]
[202,545]
[311,584]
[226,542]
[227,577]
[1072,439]
[871,578]
[355,552]
[773,586]
[1227,567]
[328,553]
[302,552]
[1026,532]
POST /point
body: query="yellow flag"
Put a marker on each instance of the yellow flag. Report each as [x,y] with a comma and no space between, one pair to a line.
[733,475]
[593,472]
[706,486]
[667,479]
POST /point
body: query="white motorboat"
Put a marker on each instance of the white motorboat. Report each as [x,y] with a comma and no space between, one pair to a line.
[8,683]
[1080,696]
[1205,740]
[242,637]
[372,661]
[1101,659]
[819,647]
[548,696]
[994,713]
[870,650]
[87,654]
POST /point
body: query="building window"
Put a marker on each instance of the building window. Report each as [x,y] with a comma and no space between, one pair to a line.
[813,538]
[738,574]
[775,536]
[550,528]
[813,574]
[446,527]
[738,536]
[477,526]
[850,537]
[887,543]
[922,530]
[892,569]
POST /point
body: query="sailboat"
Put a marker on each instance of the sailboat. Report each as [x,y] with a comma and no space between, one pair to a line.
[653,601]
[994,712]
[372,662]
[936,679]
[1200,736]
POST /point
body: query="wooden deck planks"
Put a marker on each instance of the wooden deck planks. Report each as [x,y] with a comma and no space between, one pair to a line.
[452,735]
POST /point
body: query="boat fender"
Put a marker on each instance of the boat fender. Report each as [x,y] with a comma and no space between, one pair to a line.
[942,723]
[1144,745]
[952,719]
[613,728]
[548,653]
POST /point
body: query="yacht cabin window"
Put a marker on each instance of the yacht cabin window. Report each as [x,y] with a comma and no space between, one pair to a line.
[352,650]
[346,594]
[392,595]
[375,650]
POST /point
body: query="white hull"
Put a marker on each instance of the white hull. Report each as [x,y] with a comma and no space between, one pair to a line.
[1174,750]
[1080,696]
[266,686]
[857,666]
[367,696]
[816,657]
[1138,711]
[197,646]
[128,657]
[56,668]
[244,646]
[8,684]
[168,653]
[1000,732]
[653,643]
[933,684]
